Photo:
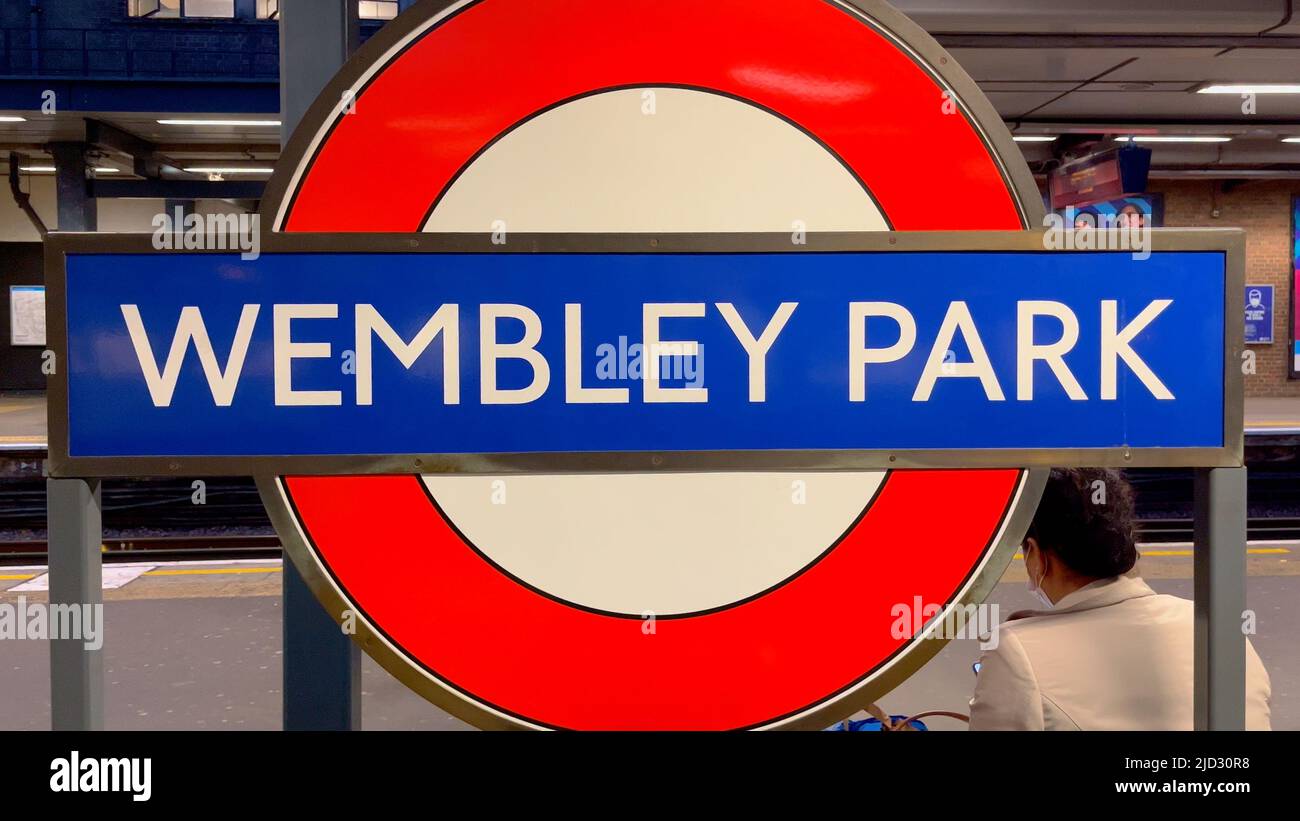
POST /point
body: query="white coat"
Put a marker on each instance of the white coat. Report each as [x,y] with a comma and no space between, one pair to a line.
[1113,655]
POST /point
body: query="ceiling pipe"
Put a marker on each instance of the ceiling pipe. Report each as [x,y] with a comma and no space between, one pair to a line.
[1286,19]
[21,197]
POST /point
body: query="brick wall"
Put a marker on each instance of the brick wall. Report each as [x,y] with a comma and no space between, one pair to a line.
[1264,209]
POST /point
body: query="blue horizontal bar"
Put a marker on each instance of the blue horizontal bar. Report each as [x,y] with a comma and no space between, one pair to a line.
[808,376]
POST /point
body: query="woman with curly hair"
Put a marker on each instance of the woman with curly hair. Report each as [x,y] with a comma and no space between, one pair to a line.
[1104,651]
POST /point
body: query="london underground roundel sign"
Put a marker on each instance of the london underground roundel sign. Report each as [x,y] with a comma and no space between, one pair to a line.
[639,600]
[468,366]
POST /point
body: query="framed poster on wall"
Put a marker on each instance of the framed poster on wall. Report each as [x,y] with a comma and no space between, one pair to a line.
[27,315]
[1259,314]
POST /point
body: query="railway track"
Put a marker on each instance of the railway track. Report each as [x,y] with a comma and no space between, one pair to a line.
[1156,531]
[188,547]
[170,519]
[158,548]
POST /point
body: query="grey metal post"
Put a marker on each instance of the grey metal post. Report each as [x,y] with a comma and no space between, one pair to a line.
[73,515]
[322,666]
[316,38]
[76,673]
[1220,595]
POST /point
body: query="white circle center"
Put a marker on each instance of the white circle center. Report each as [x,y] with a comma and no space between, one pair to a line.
[655,160]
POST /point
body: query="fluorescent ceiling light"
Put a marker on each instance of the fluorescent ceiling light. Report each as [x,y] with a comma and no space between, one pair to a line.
[49,169]
[259,123]
[1174,138]
[1291,139]
[245,170]
[6,118]
[1033,138]
[1250,88]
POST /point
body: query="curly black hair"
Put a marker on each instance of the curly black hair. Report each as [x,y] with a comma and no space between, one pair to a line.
[1086,519]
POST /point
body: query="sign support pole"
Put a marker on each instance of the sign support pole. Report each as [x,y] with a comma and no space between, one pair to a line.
[1220,598]
[73,517]
[322,665]
[76,574]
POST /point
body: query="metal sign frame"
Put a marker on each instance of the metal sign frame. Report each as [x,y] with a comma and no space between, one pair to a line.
[1230,242]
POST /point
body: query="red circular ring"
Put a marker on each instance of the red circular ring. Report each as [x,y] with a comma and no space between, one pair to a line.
[444,98]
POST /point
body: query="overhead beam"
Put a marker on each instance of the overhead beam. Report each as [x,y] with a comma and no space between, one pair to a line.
[178,189]
[262,150]
[108,137]
[175,96]
[272,149]
[1060,41]
[1273,173]
[78,210]
[1100,126]
[147,160]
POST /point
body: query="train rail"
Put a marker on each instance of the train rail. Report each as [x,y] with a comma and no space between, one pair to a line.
[1159,531]
[190,547]
[158,548]
[223,518]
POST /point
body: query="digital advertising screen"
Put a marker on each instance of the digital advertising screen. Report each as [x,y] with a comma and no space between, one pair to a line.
[1149,208]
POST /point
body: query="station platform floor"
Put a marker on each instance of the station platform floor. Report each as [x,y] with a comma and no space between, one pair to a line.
[198,646]
[22,419]
[1273,415]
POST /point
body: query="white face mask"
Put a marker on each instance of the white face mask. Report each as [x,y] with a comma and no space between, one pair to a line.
[1036,586]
